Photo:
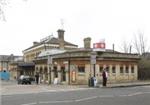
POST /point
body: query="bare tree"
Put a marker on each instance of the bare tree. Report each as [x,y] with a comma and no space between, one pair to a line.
[126,46]
[3,4]
[140,43]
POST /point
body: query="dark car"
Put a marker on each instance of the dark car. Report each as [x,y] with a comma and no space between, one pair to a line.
[24,79]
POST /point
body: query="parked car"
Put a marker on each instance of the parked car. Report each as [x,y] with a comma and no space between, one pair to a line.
[25,79]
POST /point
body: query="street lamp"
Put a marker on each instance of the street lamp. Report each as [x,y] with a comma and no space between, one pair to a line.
[93,61]
[49,63]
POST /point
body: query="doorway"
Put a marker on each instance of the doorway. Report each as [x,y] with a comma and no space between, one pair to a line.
[63,74]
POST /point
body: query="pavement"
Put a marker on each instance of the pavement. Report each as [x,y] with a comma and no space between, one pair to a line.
[11,87]
[129,84]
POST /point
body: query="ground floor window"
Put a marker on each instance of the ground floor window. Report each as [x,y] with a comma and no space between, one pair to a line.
[113,69]
[81,69]
[55,72]
[101,69]
[132,69]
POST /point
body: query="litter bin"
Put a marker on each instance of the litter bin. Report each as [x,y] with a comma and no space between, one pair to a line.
[95,81]
[91,82]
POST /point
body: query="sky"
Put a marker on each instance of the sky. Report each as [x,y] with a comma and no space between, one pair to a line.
[113,20]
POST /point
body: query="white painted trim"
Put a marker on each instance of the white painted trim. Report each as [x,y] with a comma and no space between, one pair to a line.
[42,45]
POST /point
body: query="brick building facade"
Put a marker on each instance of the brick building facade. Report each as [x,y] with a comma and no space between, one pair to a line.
[74,67]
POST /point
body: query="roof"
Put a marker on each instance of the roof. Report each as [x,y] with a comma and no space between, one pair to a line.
[26,64]
[82,52]
[51,52]
[8,57]
[52,40]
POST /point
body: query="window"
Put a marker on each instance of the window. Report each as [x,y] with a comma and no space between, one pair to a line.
[107,69]
[55,72]
[40,70]
[101,69]
[127,69]
[36,68]
[113,69]
[121,69]
[45,69]
[132,69]
[81,69]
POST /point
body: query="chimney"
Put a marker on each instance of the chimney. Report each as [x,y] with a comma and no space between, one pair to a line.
[87,42]
[61,38]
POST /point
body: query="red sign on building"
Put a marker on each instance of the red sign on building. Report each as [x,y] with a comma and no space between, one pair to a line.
[100,45]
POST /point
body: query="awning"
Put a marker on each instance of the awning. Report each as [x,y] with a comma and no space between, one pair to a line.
[26,64]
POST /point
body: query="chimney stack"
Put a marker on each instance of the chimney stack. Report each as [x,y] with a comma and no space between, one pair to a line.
[61,38]
[87,42]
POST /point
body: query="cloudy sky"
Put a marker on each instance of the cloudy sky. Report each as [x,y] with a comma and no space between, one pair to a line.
[113,20]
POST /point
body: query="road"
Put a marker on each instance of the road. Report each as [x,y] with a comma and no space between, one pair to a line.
[98,96]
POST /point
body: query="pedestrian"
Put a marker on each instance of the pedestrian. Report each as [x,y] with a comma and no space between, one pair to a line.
[37,78]
[105,76]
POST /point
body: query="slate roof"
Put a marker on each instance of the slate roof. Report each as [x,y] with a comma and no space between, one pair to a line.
[53,40]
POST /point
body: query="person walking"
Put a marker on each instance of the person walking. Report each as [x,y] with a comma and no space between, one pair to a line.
[105,76]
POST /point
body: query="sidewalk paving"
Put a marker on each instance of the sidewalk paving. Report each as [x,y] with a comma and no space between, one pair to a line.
[129,84]
[26,89]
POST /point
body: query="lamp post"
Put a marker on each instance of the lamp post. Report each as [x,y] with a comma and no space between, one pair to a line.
[93,62]
[68,68]
[49,63]
[69,71]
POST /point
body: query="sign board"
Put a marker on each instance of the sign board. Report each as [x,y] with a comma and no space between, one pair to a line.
[93,59]
[100,46]
[50,60]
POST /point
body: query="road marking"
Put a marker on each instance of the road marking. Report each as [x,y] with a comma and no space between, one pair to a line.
[34,103]
[85,99]
[44,91]
[134,94]
[54,102]
[106,96]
